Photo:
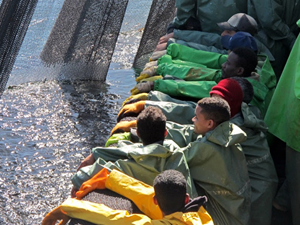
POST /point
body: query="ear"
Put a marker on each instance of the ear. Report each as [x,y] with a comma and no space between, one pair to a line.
[187,198]
[240,71]
[211,124]
[155,200]
[166,133]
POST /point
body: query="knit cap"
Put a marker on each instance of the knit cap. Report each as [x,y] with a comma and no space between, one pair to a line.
[231,91]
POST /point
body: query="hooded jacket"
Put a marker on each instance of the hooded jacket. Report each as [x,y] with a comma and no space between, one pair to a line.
[261,169]
[262,173]
[141,162]
[218,168]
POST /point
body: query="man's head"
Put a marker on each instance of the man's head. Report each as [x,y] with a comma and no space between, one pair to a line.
[239,39]
[241,62]
[209,113]
[248,91]
[239,22]
[170,191]
[151,125]
[231,91]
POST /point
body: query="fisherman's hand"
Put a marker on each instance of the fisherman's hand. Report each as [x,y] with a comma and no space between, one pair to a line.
[157,77]
[131,110]
[89,160]
[148,72]
[135,98]
[73,192]
[165,38]
[150,64]
[123,126]
[161,47]
[156,55]
[143,87]
[96,182]
[55,215]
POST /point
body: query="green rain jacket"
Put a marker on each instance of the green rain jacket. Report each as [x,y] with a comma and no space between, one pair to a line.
[208,12]
[261,169]
[218,167]
[141,162]
[283,113]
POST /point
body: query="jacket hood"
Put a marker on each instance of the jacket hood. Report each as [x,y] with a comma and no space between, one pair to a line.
[226,134]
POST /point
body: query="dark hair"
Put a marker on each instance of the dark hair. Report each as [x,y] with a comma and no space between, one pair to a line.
[248,91]
[247,59]
[216,109]
[170,191]
[151,125]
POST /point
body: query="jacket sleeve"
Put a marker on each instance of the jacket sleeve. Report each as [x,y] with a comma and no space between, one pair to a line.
[87,172]
[185,10]
[191,89]
[210,59]
[182,135]
[140,193]
[95,212]
[200,37]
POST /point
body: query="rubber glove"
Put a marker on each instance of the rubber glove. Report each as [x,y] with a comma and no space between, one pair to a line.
[149,64]
[143,87]
[158,77]
[135,98]
[148,72]
[96,182]
[54,215]
[123,126]
[156,55]
[131,109]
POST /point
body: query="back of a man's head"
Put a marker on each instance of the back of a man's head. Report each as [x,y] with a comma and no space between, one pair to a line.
[248,91]
[247,59]
[170,191]
[216,109]
[151,125]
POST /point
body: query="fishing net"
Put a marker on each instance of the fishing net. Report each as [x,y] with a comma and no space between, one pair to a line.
[85,41]
[110,199]
[160,15]
[81,42]
[15,17]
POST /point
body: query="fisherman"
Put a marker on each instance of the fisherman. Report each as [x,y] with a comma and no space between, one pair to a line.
[168,198]
[151,128]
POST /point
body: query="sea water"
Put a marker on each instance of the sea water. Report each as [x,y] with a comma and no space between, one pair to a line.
[48,126]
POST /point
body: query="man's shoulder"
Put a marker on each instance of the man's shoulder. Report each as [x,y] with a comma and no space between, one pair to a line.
[226,134]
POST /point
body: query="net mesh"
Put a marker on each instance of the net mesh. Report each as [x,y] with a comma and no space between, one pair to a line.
[160,15]
[110,199]
[85,41]
[15,17]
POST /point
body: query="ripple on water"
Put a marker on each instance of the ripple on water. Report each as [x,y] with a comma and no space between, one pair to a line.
[46,129]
